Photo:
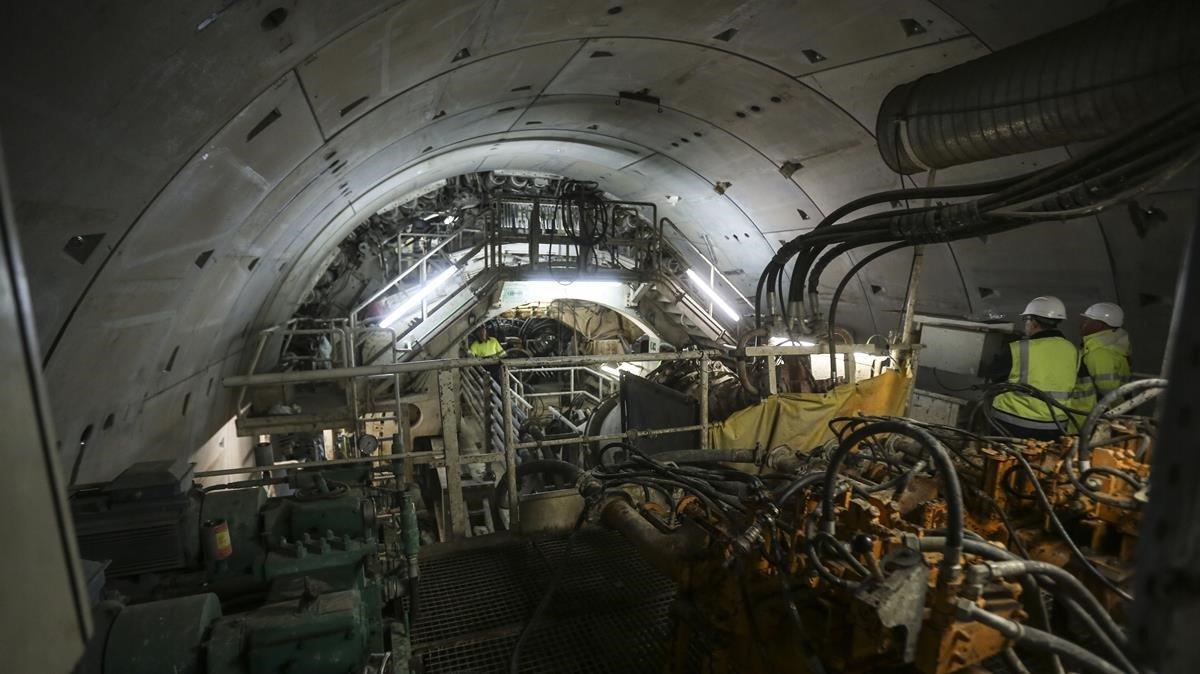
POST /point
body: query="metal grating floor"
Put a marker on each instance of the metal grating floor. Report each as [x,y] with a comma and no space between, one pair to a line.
[609,614]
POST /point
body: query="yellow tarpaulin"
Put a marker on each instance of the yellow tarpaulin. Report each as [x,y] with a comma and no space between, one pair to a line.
[801,420]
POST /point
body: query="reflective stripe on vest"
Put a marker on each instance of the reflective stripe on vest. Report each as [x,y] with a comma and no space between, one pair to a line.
[1084,388]
[1049,364]
[1106,355]
[1022,422]
[1083,399]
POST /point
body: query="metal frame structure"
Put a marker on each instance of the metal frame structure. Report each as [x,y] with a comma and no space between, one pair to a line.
[450,385]
[846,351]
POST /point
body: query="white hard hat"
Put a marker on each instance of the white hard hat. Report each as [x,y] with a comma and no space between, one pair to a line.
[1046,306]
[1107,313]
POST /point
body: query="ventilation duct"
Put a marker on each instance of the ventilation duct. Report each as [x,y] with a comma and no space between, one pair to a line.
[1083,82]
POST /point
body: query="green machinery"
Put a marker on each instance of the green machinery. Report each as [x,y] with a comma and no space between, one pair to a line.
[307,583]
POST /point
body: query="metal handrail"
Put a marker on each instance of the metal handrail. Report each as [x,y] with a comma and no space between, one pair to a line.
[572,390]
[288,332]
[711,265]
[690,298]
[311,376]
[404,274]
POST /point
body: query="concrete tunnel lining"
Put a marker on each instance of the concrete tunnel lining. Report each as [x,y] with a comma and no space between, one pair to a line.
[151,331]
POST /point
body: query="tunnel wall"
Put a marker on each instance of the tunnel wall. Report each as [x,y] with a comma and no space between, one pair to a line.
[180,170]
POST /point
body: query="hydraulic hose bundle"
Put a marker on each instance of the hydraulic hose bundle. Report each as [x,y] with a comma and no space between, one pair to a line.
[1099,178]
[713,508]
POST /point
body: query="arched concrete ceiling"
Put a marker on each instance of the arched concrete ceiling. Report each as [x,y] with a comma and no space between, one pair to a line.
[213,159]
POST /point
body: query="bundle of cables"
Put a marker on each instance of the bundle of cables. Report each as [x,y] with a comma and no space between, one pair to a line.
[747,516]
[939,443]
[1076,464]
[1101,177]
[585,218]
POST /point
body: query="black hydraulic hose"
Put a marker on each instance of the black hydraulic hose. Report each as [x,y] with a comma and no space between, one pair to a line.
[1093,199]
[837,296]
[1095,631]
[804,263]
[1002,193]
[1071,586]
[1088,428]
[932,192]
[792,489]
[814,274]
[1013,662]
[1039,640]
[810,550]
[675,477]
[742,371]
[815,666]
[1031,595]
[1002,219]
[1059,528]
[951,489]
[771,274]
[1148,161]
[1081,450]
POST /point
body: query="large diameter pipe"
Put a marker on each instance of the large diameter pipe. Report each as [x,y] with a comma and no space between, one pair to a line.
[669,553]
[1085,81]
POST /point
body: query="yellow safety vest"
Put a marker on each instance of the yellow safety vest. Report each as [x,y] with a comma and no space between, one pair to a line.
[1106,355]
[1049,364]
[487,348]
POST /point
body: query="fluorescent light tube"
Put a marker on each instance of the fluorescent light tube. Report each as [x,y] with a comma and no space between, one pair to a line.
[413,301]
[712,295]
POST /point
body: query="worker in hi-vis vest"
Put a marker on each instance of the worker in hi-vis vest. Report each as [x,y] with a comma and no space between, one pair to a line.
[1106,355]
[485,345]
[1045,360]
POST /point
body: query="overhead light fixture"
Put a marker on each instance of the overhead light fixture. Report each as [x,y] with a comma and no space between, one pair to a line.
[413,301]
[712,295]
[449,220]
[600,292]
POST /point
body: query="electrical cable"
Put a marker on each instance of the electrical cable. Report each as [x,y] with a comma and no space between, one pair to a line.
[837,296]
[1059,528]
[1070,586]
[1095,631]
[951,489]
[1081,451]
[1039,640]
[1105,175]
[1031,596]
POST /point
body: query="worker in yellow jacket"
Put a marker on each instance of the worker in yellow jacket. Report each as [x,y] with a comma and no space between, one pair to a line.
[1107,355]
[485,345]
[1043,359]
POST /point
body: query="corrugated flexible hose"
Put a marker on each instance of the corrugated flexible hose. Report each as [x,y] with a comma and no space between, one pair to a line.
[1082,82]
